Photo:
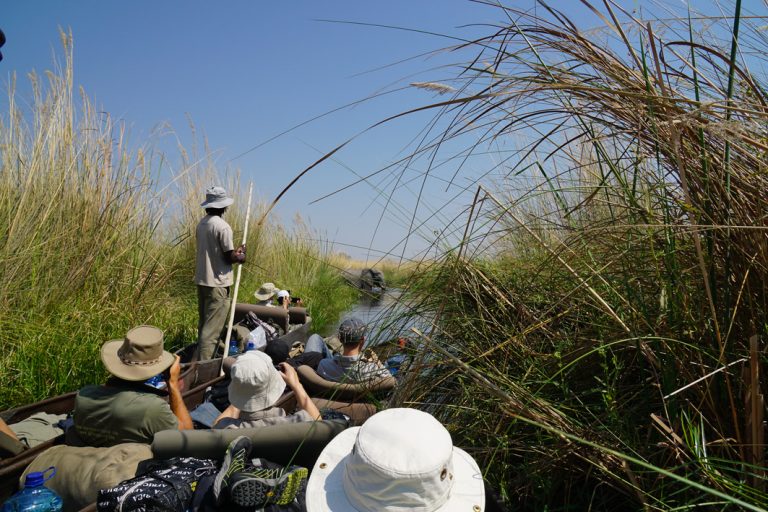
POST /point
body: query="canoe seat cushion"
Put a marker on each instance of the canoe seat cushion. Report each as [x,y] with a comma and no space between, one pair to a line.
[318,386]
[82,471]
[300,443]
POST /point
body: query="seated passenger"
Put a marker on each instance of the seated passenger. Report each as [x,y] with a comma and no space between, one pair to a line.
[348,366]
[285,301]
[264,294]
[125,409]
[255,388]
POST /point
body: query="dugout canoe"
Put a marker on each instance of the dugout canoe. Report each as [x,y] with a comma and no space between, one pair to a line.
[294,323]
[196,378]
[297,443]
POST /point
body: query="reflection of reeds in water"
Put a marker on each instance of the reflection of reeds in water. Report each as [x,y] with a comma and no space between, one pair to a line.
[622,258]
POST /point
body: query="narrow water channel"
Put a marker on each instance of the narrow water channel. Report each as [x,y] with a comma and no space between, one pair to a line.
[385,317]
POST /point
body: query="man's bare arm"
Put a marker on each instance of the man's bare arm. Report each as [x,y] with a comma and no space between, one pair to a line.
[229,412]
[178,407]
[289,375]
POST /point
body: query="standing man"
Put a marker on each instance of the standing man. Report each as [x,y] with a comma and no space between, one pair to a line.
[213,273]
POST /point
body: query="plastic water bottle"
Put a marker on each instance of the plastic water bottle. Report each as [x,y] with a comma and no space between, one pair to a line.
[233,348]
[250,346]
[35,496]
[156,382]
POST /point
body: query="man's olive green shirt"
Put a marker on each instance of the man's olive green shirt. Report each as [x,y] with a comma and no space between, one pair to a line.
[114,414]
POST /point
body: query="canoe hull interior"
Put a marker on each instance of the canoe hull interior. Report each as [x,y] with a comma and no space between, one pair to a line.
[196,378]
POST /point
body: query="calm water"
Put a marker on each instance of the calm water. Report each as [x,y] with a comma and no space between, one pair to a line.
[382,317]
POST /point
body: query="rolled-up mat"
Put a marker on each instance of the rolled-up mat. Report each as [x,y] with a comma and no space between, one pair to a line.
[290,443]
[318,386]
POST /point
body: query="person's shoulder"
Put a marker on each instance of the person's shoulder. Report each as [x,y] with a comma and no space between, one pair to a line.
[219,222]
[367,370]
[329,363]
[215,222]
[137,397]
[90,388]
[330,369]
[96,391]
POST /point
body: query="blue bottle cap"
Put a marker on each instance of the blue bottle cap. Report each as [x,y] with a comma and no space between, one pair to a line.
[38,478]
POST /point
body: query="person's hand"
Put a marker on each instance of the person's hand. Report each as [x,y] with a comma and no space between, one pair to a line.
[240,253]
[174,371]
[289,375]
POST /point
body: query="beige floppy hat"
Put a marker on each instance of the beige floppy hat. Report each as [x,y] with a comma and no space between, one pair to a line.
[400,459]
[138,356]
[255,384]
[266,292]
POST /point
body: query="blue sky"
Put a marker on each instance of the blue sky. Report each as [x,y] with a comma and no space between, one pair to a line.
[245,71]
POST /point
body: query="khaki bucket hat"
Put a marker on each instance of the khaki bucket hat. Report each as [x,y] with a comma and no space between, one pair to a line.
[266,291]
[255,383]
[216,197]
[138,356]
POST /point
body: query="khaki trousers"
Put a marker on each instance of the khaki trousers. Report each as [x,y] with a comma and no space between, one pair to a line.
[212,309]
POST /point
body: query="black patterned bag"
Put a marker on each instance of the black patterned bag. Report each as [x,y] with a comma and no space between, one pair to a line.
[165,486]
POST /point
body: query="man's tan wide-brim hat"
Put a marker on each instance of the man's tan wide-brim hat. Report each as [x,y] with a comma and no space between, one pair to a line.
[138,356]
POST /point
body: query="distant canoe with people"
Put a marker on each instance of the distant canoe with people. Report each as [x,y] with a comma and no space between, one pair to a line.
[369,280]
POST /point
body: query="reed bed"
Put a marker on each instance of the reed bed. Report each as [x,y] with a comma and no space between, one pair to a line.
[97,236]
[598,324]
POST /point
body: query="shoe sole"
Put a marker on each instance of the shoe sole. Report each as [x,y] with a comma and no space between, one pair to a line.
[258,492]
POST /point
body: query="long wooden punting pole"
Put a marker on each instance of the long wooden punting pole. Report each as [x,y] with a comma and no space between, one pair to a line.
[237,284]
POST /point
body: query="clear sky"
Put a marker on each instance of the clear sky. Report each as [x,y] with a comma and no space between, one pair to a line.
[246,71]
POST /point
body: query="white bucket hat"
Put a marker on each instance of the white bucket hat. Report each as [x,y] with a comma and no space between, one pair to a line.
[400,459]
[216,197]
[265,292]
[255,383]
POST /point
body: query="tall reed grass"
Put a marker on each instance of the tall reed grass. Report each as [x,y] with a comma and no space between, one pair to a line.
[97,235]
[592,336]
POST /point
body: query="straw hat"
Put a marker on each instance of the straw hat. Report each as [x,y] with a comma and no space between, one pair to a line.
[138,356]
[255,383]
[266,292]
[216,197]
[400,459]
